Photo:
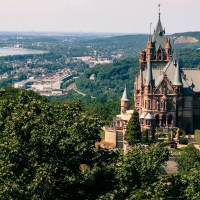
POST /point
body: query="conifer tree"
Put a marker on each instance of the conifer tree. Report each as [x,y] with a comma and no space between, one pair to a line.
[133,131]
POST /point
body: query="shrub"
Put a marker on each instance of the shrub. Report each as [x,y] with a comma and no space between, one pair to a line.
[197,135]
[183,140]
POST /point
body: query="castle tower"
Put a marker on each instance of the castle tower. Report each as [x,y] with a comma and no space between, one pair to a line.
[125,102]
[159,38]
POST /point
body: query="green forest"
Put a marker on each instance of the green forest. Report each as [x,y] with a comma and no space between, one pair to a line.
[49,151]
[110,78]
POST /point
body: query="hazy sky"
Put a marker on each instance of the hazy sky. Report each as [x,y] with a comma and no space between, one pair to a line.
[127,16]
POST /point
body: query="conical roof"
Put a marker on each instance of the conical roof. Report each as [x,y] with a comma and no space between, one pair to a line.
[149,76]
[148,116]
[125,96]
[142,116]
[177,77]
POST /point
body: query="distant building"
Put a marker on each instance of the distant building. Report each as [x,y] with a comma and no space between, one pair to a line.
[5,75]
[115,132]
[92,77]
[165,93]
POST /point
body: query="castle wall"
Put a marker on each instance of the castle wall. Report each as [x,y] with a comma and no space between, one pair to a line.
[110,136]
[187,112]
[196,111]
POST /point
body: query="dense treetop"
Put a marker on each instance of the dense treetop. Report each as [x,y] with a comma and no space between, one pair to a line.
[48,151]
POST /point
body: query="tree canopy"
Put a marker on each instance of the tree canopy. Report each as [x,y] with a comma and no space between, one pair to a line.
[48,151]
[133,131]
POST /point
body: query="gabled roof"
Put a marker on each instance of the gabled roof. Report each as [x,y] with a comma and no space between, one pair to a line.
[190,78]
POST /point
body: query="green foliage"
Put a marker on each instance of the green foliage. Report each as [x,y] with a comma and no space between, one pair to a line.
[133,130]
[10,93]
[190,158]
[144,138]
[47,151]
[110,78]
[191,181]
[189,58]
[103,106]
[178,150]
[197,135]
[139,169]
[183,140]
[105,111]
[167,187]
[102,134]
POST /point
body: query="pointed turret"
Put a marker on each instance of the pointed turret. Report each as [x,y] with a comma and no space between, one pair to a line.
[168,49]
[125,96]
[177,77]
[168,44]
[149,48]
[124,102]
[175,57]
[149,76]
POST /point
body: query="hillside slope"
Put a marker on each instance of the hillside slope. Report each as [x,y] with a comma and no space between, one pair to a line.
[110,78]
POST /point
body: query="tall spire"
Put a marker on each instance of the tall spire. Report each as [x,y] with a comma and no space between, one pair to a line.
[125,96]
[159,12]
[149,76]
[159,37]
[177,77]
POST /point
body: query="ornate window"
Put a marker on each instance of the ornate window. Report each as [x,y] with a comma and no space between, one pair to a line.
[149,104]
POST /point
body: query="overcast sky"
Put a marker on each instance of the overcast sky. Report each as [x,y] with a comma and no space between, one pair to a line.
[127,16]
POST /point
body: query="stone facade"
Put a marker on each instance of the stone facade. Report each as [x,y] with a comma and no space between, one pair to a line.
[165,94]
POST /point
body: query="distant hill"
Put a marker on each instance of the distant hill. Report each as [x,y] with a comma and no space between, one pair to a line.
[128,45]
[111,78]
[186,40]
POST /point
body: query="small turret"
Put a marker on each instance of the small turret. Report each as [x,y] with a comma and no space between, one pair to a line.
[149,49]
[124,102]
[177,77]
[168,49]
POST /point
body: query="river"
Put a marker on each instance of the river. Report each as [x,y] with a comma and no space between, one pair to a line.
[18,51]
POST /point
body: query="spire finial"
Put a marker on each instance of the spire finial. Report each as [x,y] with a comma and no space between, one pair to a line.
[150,29]
[159,11]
